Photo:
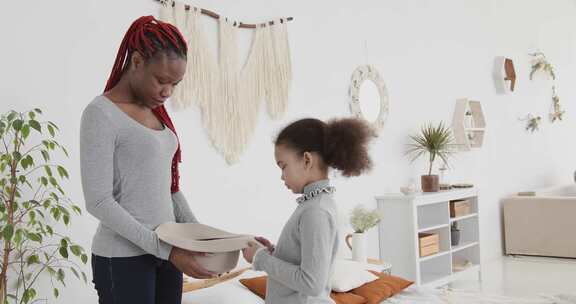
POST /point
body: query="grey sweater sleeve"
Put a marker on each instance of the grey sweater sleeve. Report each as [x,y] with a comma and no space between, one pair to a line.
[97,145]
[317,234]
[182,210]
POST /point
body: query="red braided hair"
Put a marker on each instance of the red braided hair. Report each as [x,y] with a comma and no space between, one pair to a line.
[147,35]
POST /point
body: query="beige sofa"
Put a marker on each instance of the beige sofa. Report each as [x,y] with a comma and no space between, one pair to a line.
[543,224]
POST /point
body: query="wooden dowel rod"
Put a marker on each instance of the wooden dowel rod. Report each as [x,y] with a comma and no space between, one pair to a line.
[216,16]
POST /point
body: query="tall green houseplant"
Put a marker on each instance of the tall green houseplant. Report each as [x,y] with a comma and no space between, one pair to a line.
[33,207]
[436,141]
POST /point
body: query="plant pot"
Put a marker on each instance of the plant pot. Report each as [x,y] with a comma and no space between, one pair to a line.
[358,246]
[468,121]
[455,236]
[430,183]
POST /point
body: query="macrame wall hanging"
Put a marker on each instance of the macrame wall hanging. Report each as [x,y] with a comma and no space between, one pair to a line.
[229,95]
[540,64]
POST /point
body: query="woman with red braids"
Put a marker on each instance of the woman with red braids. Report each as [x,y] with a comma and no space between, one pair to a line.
[129,155]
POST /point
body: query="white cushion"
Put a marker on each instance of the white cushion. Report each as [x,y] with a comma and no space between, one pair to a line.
[348,275]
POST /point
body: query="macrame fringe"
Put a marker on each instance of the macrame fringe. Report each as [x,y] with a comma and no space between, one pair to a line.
[229,96]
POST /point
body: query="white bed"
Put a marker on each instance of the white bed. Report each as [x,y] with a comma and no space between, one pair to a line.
[233,292]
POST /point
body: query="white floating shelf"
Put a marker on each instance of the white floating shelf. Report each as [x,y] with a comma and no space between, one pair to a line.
[456,219]
[458,274]
[474,129]
[468,124]
[436,255]
[425,229]
[464,246]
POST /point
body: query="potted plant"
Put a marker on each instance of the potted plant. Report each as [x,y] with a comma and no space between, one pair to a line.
[454,234]
[32,207]
[361,220]
[468,119]
[437,142]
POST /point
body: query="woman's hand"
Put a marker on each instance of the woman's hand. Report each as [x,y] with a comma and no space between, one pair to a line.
[266,243]
[250,251]
[184,260]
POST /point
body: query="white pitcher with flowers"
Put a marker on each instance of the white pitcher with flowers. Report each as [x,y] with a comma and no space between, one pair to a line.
[361,220]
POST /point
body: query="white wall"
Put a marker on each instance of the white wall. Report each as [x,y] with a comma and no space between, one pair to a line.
[57,55]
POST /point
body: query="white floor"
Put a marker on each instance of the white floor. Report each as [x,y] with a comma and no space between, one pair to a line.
[525,277]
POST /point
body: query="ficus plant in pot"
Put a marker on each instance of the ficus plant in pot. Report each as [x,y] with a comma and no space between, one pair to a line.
[437,142]
[35,213]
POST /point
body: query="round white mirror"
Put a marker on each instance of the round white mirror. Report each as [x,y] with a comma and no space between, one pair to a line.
[369,97]
[369,100]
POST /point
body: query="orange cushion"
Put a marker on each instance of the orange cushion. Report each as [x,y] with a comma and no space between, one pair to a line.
[382,288]
[258,286]
[347,298]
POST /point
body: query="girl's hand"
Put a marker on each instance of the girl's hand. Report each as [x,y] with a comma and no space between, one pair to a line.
[250,251]
[266,243]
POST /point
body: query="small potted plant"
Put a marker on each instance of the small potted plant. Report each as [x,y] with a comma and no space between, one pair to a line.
[455,234]
[468,119]
[361,220]
[437,142]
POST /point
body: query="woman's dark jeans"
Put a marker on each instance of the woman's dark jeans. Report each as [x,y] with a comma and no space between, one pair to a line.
[143,279]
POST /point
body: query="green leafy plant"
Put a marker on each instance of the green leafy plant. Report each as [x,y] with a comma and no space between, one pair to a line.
[436,141]
[33,206]
[533,123]
[540,63]
[557,112]
[362,219]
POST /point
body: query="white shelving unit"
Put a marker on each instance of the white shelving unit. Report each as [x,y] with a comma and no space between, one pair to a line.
[468,129]
[404,217]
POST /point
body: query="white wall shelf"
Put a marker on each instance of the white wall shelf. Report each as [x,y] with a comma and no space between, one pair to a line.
[456,219]
[468,124]
[406,216]
[427,229]
[437,255]
[464,245]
